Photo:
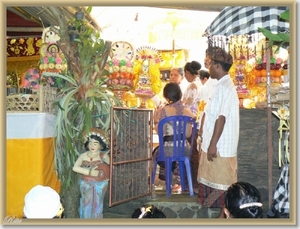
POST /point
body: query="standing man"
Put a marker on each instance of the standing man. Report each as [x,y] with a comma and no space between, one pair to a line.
[219,129]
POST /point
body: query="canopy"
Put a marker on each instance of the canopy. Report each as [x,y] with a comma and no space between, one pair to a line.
[240,20]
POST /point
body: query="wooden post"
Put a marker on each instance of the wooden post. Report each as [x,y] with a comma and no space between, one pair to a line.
[41,96]
[173,52]
[269,126]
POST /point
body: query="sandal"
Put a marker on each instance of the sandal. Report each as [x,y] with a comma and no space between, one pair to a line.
[176,188]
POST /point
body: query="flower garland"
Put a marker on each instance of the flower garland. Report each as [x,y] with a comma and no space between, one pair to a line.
[201,106]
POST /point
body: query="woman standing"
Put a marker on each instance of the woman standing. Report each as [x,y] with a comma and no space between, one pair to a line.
[191,95]
[190,99]
[93,165]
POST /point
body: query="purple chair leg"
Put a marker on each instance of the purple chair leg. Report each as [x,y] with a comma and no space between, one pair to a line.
[189,176]
[168,173]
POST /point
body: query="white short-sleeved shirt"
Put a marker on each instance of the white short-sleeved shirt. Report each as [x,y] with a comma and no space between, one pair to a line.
[184,85]
[191,97]
[224,102]
[206,92]
[208,89]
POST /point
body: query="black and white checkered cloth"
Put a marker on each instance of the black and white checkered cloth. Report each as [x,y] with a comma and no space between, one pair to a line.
[239,20]
[280,207]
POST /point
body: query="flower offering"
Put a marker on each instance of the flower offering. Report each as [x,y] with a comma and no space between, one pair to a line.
[147,74]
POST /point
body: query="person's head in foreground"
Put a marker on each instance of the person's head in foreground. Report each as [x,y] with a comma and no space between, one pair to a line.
[42,202]
[243,200]
[148,211]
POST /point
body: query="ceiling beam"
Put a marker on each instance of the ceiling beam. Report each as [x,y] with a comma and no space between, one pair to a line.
[24,29]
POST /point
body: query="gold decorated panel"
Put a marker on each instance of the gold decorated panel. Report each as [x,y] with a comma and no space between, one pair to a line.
[20,65]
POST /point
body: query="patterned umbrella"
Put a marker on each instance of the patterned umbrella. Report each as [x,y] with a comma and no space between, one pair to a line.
[240,20]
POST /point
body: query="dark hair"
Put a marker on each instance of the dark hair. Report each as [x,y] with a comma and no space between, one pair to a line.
[98,138]
[220,56]
[180,70]
[172,92]
[148,211]
[243,200]
[193,67]
[203,74]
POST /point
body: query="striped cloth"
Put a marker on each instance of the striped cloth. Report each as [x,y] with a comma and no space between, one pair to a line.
[280,207]
[210,198]
[239,20]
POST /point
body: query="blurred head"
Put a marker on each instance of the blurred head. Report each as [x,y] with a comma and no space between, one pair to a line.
[172,92]
[207,57]
[148,211]
[176,75]
[191,70]
[42,202]
[243,200]
[203,75]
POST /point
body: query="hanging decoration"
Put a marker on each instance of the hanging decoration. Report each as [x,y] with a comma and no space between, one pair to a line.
[283,114]
[236,30]
[52,59]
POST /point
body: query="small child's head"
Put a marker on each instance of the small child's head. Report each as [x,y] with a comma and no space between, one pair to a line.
[42,202]
[148,211]
[243,200]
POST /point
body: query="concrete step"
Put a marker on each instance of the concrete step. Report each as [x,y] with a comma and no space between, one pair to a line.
[179,205]
[182,205]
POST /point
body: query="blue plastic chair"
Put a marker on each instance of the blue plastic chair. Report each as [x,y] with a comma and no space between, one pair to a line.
[179,124]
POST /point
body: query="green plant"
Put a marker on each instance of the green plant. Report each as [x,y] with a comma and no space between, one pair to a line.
[280,38]
[12,79]
[75,25]
[84,101]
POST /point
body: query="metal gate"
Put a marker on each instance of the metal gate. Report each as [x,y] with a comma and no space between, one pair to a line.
[131,159]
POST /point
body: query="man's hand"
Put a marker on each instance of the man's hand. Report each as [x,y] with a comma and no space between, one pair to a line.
[211,152]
